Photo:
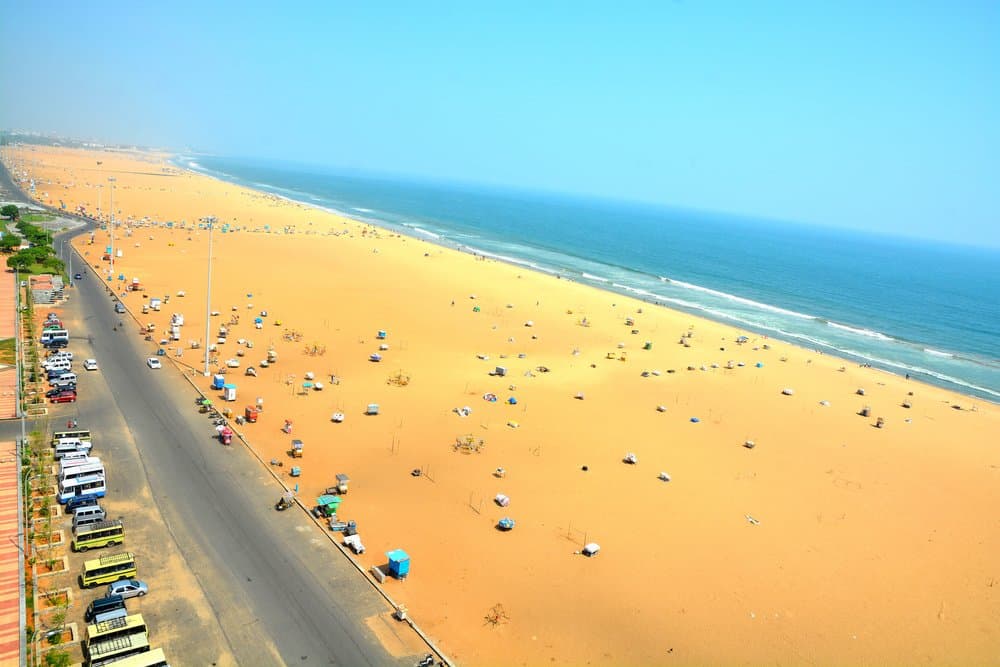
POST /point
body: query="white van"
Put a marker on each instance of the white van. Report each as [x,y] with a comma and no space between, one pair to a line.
[58,365]
[64,379]
[83,516]
[69,445]
[54,335]
[74,458]
[59,355]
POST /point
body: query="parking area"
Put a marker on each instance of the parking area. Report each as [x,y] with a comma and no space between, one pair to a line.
[175,612]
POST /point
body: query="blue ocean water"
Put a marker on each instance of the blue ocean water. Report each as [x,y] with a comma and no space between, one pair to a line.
[928,309]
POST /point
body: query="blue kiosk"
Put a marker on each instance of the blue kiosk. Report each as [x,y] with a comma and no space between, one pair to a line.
[218,381]
[399,563]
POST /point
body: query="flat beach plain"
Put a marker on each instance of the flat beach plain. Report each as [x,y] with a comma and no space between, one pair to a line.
[829,542]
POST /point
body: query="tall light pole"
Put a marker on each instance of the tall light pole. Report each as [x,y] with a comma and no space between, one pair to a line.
[99,187]
[111,229]
[210,221]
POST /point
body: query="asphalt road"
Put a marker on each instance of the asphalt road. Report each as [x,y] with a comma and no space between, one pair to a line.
[280,592]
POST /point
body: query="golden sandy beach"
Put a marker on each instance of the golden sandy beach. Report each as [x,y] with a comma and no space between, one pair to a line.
[830,542]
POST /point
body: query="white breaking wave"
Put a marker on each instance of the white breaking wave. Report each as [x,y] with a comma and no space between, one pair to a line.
[861,332]
[360,209]
[421,230]
[938,353]
[590,276]
[740,299]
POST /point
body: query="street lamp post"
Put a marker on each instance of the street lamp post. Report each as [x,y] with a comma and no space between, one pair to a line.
[111,229]
[210,221]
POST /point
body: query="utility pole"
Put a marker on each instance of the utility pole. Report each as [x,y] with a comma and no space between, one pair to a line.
[210,221]
[111,230]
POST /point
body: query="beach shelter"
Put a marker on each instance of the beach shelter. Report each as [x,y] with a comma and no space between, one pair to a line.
[399,563]
[505,524]
[372,409]
[512,400]
[381,334]
[229,392]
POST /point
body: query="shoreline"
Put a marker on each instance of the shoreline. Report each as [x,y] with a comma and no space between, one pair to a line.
[898,368]
[841,509]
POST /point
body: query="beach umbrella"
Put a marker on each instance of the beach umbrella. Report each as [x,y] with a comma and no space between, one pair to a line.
[695,420]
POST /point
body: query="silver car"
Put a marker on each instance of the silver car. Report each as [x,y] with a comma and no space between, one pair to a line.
[128,588]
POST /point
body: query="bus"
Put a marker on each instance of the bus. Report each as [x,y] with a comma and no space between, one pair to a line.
[113,649]
[90,486]
[100,534]
[92,466]
[153,658]
[124,626]
[106,569]
[72,434]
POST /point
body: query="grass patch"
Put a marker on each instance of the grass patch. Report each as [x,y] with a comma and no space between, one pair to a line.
[38,217]
[8,351]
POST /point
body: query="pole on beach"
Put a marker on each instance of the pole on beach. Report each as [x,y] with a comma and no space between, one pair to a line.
[111,228]
[210,220]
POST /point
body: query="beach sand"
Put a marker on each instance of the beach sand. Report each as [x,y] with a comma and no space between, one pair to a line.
[830,542]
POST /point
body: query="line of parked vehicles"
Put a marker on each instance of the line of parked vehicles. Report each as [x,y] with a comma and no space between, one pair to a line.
[113,635]
[58,366]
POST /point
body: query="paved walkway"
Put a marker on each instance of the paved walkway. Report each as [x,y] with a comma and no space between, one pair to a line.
[10,556]
[8,329]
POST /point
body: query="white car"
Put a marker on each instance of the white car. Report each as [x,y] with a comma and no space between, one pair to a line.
[153,362]
[90,364]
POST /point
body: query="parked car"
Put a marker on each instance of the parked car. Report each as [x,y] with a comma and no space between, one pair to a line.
[153,362]
[55,391]
[128,588]
[119,307]
[90,364]
[64,397]
[80,501]
[102,605]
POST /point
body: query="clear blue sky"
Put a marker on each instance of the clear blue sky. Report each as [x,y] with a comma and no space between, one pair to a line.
[881,116]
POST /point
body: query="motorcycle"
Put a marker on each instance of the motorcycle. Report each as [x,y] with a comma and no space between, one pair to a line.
[284,502]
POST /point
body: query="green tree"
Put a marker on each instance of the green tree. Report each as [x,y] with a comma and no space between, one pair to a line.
[9,242]
[19,261]
[10,211]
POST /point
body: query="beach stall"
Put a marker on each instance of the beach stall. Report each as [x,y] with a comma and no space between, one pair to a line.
[399,563]
[342,483]
[229,392]
[372,409]
[250,414]
[296,450]
[327,506]
[218,381]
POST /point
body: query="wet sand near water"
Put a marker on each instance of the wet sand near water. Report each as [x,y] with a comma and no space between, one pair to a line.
[831,541]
